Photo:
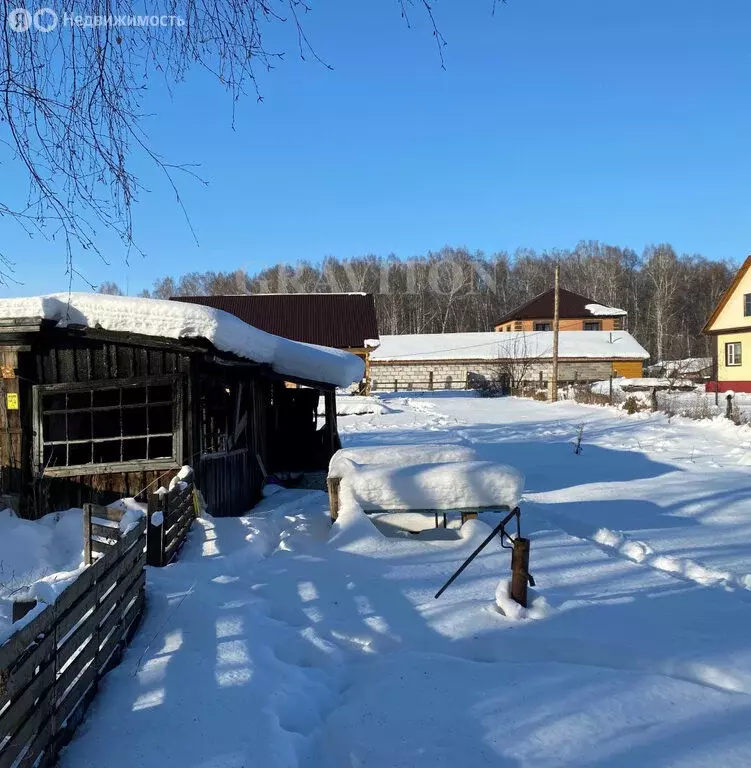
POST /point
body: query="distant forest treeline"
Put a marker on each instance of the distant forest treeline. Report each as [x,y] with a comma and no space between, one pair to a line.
[668,296]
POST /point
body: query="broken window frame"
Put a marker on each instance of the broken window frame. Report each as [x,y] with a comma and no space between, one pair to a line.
[130,465]
[232,435]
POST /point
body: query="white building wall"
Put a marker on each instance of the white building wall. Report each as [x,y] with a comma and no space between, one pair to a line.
[385,376]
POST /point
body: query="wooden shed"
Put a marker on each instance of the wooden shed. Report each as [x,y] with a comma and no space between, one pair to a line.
[90,414]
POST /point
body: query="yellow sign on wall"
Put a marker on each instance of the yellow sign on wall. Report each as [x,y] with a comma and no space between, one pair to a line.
[11,399]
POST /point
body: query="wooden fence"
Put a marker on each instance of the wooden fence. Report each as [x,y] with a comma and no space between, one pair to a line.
[50,668]
[170,516]
[169,519]
[421,385]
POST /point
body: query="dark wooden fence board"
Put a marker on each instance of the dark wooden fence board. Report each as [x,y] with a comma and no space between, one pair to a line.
[15,716]
[17,643]
[22,675]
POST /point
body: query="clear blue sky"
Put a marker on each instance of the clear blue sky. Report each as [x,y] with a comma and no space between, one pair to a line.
[626,121]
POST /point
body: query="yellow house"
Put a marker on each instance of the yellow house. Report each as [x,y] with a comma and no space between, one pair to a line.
[730,327]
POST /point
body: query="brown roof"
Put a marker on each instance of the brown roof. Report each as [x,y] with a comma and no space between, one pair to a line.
[570,305]
[337,320]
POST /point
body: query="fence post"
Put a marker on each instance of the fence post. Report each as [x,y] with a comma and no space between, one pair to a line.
[729,407]
[396,385]
[610,393]
[155,533]
[87,553]
[430,381]
[520,571]
[333,486]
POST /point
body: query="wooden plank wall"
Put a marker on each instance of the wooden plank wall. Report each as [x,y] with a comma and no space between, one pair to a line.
[227,483]
[50,669]
[65,359]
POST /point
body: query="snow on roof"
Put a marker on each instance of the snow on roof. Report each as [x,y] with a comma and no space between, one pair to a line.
[600,310]
[176,320]
[605,345]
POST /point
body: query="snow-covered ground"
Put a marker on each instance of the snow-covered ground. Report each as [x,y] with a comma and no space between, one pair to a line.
[353,405]
[278,641]
[696,402]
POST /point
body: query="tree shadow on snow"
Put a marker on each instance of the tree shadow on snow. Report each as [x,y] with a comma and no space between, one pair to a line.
[546,466]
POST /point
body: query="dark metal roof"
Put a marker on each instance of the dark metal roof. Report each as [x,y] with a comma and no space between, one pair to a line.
[337,320]
[570,305]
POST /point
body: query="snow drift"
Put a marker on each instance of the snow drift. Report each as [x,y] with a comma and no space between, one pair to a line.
[433,486]
[349,460]
[176,320]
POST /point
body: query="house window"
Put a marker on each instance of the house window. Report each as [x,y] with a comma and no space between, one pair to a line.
[592,325]
[94,428]
[517,325]
[543,326]
[733,353]
[747,305]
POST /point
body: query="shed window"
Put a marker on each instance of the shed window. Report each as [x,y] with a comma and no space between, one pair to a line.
[592,325]
[733,353]
[543,326]
[747,305]
[104,427]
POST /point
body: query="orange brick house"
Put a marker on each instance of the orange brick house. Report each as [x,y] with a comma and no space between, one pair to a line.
[576,313]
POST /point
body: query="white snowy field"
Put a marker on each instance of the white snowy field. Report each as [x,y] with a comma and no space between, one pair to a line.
[279,641]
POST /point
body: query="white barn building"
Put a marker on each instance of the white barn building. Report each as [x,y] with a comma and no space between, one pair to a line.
[457,360]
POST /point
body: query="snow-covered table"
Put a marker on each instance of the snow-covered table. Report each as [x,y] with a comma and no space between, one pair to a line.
[430,479]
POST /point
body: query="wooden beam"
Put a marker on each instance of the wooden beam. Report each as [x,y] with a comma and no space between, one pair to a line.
[520,571]
[329,398]
[333,484]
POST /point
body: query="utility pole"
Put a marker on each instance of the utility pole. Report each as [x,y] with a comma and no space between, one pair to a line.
[556,323]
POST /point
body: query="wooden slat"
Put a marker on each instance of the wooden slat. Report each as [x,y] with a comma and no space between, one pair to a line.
[106,513]
[33,723]
[74,615]
[115,615]
[18,642]
[105,531]
[38,745]
[72,643]
[13,717]
[134,535]
[24,672]
[179,539]
[124,565]
[79,587]
[110,646]
[176,513]
[100,547]
[71,672]
[133,611]
[66,706]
